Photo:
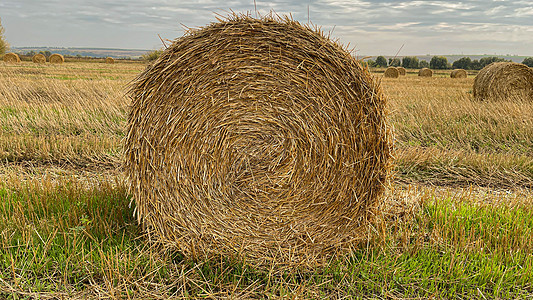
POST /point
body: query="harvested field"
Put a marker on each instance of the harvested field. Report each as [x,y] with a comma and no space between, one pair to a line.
[455,223]
[402,71]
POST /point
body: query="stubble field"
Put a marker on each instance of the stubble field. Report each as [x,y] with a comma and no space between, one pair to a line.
[457,221]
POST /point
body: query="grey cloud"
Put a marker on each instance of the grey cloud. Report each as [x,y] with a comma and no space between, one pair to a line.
[371,25]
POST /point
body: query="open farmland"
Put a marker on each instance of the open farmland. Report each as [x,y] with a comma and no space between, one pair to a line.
[458,221]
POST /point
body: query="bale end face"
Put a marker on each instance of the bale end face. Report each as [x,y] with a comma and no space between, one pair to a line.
[402,71]
[425,72]
[11,58]
[38,59]
[56,59]
[109,60]
[257,137]
[392,72]
[458,73]
[504,81]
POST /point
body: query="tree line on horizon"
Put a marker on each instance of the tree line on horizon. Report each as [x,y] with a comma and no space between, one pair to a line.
[440,62]
[3,44]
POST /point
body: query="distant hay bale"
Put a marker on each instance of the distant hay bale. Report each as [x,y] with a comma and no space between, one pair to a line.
[402,71]
[11,58]
[425,72]
[56,59]
[392,72]
[109,60]
[458,73]
[257,137]
[504,81]
[39,59]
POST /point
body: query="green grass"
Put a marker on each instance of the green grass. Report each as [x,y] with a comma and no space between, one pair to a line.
[68,238]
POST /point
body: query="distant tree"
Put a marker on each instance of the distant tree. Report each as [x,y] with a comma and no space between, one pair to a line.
[528,61]
[476,65]
[438,62]
[485,61]
[463,63]
[381,61]
[394,62]
[371,63]
[30,53]
[423,64]
[410,62]
[3,43]
[46,53]
[152,55]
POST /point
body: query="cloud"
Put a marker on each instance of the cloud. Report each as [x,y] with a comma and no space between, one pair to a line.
[371,25]
[524,11]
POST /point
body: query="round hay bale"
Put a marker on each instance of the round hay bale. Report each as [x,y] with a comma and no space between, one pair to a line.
[11,58]
[425,72]
[56,59]
[458,73]
[109,60]
[402,71]
[392,72]
[257,137]
[504,81]
[38,59]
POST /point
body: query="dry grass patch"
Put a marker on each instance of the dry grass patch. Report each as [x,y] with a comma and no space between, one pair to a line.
[70,113]
[465,141]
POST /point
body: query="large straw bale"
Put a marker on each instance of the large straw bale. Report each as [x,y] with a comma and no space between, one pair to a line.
[109,60]
[458,73]
[402,71]
[391,72]
[11,58]
[257,137]
[56,59]
[425,72]
[504,81]
[39,58]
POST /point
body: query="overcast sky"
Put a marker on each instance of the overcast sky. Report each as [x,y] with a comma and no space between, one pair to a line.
[372,27]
